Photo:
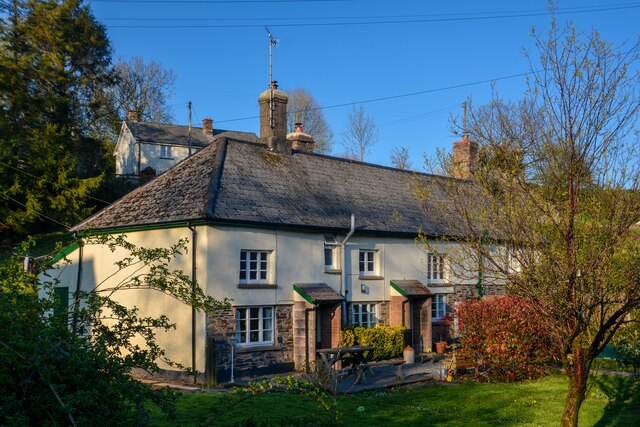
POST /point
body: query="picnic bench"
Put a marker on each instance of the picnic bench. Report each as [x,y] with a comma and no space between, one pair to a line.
[461,360]
[363,367]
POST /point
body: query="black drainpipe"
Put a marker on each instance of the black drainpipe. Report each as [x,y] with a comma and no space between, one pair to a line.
[76,307]
[194,243]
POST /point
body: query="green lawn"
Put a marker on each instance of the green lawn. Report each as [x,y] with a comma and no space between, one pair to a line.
[612,401]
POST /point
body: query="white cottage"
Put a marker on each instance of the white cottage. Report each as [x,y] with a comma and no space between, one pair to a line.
[301,242]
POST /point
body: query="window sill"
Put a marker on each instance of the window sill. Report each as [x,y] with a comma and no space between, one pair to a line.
[257,286]
[361,277]
[252,348]
[332,270]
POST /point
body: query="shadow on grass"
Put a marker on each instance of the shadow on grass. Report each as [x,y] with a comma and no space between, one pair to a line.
[624,399]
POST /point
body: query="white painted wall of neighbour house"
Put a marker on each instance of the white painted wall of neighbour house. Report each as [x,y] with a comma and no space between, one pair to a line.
[150,156]
[126,153]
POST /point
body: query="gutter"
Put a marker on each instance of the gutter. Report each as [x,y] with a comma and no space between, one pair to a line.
[343,276]
[194,269]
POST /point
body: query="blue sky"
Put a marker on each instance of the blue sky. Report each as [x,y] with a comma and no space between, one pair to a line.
[346,52]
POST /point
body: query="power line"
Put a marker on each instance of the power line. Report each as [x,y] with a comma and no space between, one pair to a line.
[37,177]
[38,213]
[404,95]
[406,119]
[391,21]
[482,15]
[217,1]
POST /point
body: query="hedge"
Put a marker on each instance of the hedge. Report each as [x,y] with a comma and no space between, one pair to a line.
[507,335]
[387,341]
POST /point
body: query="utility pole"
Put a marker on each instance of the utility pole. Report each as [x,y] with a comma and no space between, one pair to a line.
[189,135]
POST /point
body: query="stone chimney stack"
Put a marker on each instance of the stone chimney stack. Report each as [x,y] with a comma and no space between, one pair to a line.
[465,157]
[300,140]
[132,115]
[273,120]
[207,126]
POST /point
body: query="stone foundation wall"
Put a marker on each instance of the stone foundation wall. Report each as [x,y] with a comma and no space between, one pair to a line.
[249,361]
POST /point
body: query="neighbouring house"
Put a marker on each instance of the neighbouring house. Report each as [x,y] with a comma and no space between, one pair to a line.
[301,242]
[150,149]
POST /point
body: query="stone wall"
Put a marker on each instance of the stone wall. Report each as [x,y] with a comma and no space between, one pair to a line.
[249,361]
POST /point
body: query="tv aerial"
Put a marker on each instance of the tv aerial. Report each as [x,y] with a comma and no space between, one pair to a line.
[272,42]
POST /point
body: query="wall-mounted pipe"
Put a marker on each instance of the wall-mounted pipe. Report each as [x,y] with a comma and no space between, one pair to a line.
[343,274]
[194,270]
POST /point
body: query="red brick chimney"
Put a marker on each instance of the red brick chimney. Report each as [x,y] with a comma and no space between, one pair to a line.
[300,140]
[132,115]
[207,126]
[273,120]
[465,157]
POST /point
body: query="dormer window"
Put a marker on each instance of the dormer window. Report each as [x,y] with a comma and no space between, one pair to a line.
[165,151]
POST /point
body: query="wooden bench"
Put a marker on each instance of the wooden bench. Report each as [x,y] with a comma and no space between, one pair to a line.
[361,368]
[461,360]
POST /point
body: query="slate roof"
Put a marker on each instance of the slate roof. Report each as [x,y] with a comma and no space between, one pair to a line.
[317,292]
[411,288]
[168,134]
[234,181]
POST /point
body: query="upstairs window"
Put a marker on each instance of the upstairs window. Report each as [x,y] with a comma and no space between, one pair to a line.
[254,266]
[330,253]
[165,151]
[365,315]
[436,266]
[367,263]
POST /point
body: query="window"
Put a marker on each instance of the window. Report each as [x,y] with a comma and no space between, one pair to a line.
[436,267]
[330,253]
[254,325]
[365,315]
[438,306]
[61,303]
[165,151]
[367,263]
[254,266]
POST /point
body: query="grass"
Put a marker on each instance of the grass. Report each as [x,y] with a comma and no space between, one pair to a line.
[611,401]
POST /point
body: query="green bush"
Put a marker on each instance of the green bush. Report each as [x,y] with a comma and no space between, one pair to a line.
[387,341]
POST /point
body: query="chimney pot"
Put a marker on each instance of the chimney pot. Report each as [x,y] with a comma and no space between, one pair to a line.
[300,140]
[207,125]
[132,115]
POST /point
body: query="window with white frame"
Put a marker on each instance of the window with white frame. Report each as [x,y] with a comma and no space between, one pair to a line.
[436,267]
[365,315]
[165,151]
[438,306]
[254,325]
[330,253]
[367,263]
[254,266]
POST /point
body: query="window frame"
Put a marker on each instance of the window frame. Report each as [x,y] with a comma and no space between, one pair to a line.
[369,253]
[438,306]
[165,151]
[261,317]
[372,314]
[262,256]
[437,272]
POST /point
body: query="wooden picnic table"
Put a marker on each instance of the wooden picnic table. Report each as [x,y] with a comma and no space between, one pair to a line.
[355,354]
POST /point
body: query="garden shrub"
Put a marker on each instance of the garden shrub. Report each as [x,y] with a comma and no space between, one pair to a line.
[387,341]
[507,336]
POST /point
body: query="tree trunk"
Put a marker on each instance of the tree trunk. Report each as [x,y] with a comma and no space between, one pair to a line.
[578,376]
